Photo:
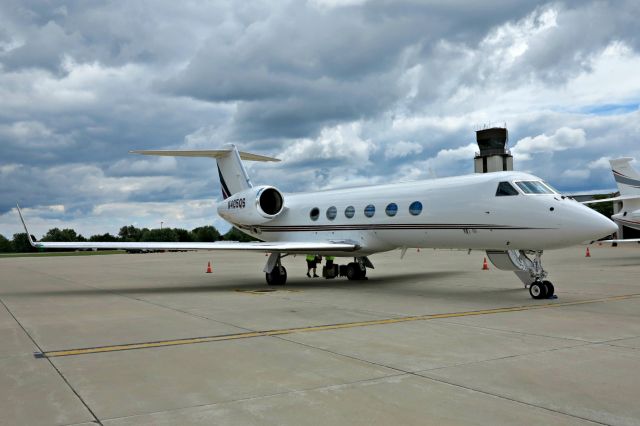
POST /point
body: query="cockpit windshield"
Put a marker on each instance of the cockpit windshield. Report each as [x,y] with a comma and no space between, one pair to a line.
[534,187]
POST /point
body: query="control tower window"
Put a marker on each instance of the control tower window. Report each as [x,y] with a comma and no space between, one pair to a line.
[505,189]
[534,187]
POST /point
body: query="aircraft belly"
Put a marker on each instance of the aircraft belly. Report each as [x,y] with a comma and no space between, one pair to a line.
[374,241]
[476,239]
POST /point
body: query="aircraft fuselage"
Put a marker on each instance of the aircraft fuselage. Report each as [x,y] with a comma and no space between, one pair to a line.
[461,212]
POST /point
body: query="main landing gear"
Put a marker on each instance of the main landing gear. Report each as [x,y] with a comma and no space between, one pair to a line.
[276,274]
[356,270]
[530,271]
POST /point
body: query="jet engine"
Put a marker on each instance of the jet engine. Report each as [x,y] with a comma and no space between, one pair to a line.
[253,206]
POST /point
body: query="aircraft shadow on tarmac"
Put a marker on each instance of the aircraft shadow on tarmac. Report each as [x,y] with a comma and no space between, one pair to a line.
[415,284]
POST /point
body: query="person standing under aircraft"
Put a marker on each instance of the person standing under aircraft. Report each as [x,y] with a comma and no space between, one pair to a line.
[328,272]
[312,261]
[329,261]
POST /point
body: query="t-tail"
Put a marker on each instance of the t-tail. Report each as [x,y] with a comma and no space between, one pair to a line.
[627,178]
[233,175]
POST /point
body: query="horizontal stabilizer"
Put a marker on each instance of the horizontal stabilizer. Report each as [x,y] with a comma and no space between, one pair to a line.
[211,153]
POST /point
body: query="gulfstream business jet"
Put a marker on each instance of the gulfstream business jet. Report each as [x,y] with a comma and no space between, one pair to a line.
[513,216]
[628,181]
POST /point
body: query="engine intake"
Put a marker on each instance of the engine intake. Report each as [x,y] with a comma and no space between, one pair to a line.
[270,201]
[253,206]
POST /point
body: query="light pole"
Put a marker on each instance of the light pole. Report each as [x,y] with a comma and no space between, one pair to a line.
[161,224]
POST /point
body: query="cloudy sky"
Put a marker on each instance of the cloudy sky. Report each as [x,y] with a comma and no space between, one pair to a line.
[345,92]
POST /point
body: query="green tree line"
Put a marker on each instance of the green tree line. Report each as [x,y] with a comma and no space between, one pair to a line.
[20,242]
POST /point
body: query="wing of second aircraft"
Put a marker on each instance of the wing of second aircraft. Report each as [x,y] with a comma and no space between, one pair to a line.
[619,198]
[628,240]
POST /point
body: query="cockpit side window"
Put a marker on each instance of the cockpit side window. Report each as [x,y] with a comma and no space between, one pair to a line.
[550,187]
[505,189]
[534,187]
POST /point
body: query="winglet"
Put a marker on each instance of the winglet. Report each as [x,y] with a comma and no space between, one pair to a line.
[31,241]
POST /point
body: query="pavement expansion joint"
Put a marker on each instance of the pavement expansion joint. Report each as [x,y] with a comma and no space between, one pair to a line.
[326,327]
[267,290]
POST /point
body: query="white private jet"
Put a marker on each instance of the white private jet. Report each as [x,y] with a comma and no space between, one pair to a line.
[628,181]
[511,215]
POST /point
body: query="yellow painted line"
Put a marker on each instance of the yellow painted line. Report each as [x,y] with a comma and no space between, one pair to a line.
[279,332]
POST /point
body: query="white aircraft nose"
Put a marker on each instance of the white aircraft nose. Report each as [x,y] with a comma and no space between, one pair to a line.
[599,226]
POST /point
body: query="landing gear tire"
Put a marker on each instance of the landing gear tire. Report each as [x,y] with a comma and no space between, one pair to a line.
[277,277]
[355,272]
[550,288]
[538,290]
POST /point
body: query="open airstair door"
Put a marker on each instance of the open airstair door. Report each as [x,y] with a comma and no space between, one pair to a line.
[233,175]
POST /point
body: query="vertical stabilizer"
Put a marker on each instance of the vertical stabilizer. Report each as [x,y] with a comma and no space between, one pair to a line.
[627,179]
[233,175]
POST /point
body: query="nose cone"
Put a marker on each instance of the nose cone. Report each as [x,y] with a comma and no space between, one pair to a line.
[598,226]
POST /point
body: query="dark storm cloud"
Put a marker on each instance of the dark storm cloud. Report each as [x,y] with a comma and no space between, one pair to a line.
[301,68]
[581,32]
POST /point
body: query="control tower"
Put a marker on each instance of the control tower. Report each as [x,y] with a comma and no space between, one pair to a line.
[494,155]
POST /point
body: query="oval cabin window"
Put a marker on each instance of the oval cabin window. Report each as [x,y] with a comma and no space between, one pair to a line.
[332,212]
[415,208]
[370,210]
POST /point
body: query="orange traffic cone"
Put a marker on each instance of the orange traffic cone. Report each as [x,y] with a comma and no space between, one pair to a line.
[209,268]
[588,253]
[485,265]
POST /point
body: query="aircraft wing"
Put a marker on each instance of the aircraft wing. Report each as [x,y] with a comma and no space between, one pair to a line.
[619,198]
[255,246]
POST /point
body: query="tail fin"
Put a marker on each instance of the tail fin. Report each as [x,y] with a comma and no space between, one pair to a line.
[233,175]
[627,179]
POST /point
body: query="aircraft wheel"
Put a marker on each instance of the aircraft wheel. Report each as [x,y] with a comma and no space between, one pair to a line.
[277,277]
[549,287]
[353,271]
[538,290]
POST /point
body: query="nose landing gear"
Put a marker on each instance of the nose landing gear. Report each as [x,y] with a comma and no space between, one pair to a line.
[530,271]
[541,289]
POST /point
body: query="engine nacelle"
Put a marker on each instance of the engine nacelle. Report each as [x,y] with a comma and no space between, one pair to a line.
[253,206]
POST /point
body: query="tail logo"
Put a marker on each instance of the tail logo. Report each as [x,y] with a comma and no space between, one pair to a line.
[225,189]
[625,180]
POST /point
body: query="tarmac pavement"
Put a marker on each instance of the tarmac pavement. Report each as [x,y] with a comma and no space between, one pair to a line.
[431,339]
